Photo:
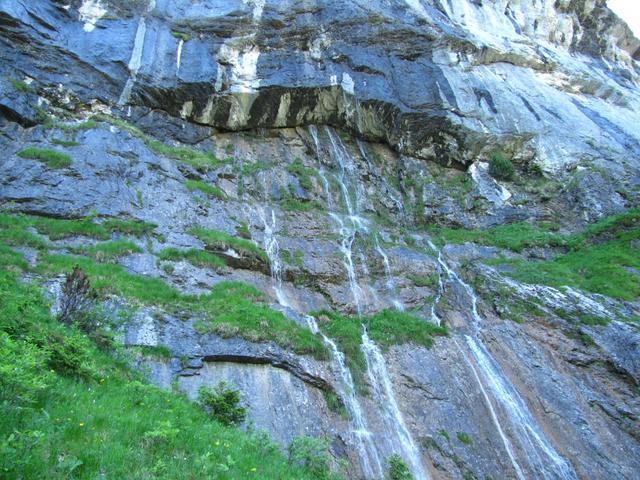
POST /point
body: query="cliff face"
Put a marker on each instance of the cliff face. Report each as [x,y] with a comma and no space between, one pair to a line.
[333,135]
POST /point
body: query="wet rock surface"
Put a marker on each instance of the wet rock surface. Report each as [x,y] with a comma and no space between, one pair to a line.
[342,131]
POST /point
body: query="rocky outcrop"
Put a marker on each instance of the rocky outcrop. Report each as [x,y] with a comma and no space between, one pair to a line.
[329,135]
[425,77]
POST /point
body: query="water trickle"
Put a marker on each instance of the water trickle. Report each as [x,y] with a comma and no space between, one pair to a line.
[389,282]
[523,427]
[377,372]
[383,391]
[272,250]
[135,61]
[179,55]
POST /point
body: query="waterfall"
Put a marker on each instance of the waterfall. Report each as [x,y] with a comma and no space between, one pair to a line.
[272,250]
[372,466]
[383,391]
[540,454]
[376,365]
[179,55]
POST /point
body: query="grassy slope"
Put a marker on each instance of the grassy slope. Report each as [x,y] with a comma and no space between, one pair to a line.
[600,259]
[68,410]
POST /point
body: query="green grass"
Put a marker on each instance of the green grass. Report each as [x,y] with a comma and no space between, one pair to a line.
[199,258]
[109,251]
[189,156]
[211,190]
[464,438]
[598,261]
[386,328]
[64,143]
[430,281]
[231,309]
[20,86]
[303,173]
[515,236]
[220,241]
[14,228]
[237,309]
[184,36]
[59,395]
[53,158]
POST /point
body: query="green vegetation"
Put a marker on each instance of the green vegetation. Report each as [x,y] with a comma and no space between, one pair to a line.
[430,281]
[313,454]
[53,158]
[58,395]
[199,258]
[211,190]
[599,260]
[109,251]
[398,469]
[386,328]
[20,86]
[464,438]
[64,143]
[222,404]
[220,241]
[515,236]
[500,167]
[14,228]
[236,309]
[195,158]
[295,258]
[302,173]
[184,36]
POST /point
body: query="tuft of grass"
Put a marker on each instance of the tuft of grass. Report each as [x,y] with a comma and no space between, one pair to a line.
[464,438]
[184,36]
[53,158]
[199,258]
[109,251]
[20,86]
[64,143]
[500,167]
[211,190]
[220,241]
[303,173]
[430,281]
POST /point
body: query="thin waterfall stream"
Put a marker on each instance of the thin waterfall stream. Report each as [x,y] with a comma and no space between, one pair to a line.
[540,453]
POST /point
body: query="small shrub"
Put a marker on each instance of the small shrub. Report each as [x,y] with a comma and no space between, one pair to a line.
[77,300]
[398,470]
[222,403]
[53,158]
[464,438]
[500,167]
[311,453]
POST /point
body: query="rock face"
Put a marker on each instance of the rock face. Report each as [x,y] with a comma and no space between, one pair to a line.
[333,132]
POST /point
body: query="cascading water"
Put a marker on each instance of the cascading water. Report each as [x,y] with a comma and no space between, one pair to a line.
[272,250]
[383,391]
[390,283]
[368,453]
[371,463]
[542,457]
[376,365]
[136,55]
